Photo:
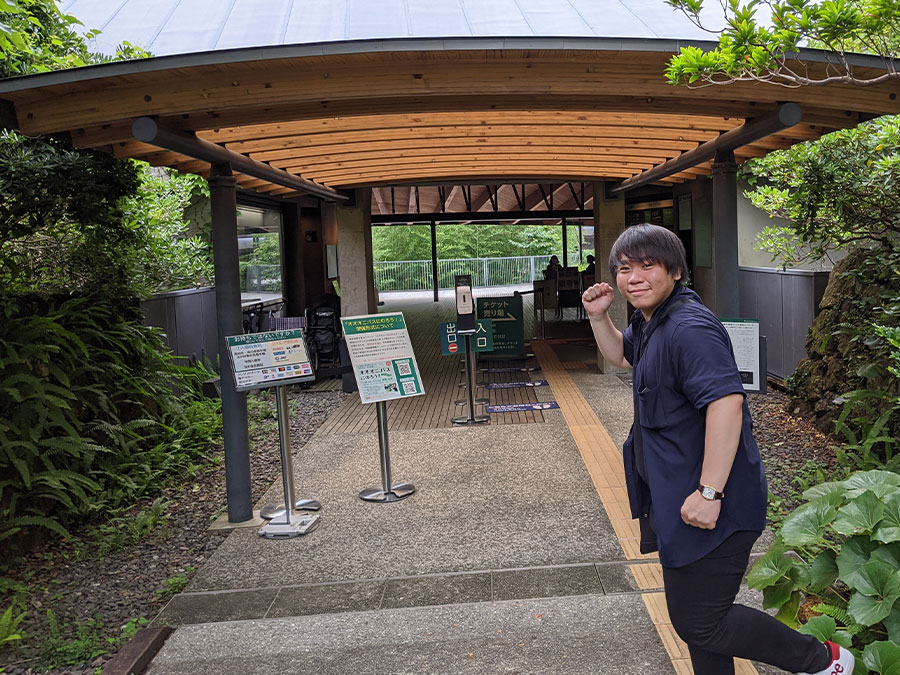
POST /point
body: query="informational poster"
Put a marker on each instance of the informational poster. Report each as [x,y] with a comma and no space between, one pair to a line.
[744,334]
[506,315]
[453,343]
[382,357]
[261,360]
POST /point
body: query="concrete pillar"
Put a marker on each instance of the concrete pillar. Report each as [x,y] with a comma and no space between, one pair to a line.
[725,235]
[354,225]
[228,322]
[434,261]
[609,223]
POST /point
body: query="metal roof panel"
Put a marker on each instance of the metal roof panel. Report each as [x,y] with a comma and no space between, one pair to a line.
[254,22]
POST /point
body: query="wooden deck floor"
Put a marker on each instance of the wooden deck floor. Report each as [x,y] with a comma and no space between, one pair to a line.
[442,375]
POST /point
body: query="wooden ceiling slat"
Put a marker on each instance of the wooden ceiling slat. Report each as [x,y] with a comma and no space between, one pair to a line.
[479,117]
[523,131]
[636,146]
[474,73]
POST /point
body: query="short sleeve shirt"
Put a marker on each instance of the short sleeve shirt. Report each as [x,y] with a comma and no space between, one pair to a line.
[686,364]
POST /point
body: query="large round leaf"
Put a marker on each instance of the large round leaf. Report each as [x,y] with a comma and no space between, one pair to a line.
[882,483]
[854,554]
[888,529]
[882,657]
[823,570]
[822,627]
[892,624]
[832,491]
[889,553]
[860,516]
[866,610]
[776,596]
[807,524]
[773,566]
[878,579]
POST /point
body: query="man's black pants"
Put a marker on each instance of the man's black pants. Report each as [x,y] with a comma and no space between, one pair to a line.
[700,597]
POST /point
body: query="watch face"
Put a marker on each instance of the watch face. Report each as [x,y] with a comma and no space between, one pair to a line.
[708,493]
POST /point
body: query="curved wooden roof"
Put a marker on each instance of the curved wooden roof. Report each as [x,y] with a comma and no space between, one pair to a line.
[403,112]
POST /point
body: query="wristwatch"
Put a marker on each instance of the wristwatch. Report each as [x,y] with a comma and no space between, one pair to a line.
[710,493]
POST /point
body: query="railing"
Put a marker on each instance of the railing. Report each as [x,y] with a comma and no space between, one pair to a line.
[261,278]
[411,275]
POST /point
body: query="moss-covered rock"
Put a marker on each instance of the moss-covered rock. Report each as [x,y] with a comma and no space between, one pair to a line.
[843,353]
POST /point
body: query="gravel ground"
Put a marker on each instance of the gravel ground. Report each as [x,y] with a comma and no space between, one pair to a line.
[131,583]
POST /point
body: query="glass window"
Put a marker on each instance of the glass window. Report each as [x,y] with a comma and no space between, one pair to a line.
[259,249]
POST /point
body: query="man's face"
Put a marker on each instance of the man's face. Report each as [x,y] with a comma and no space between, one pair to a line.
[645,285]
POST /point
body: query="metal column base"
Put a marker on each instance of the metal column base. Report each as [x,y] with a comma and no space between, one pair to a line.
[300,524]
[475,419]
[277,510]
[397,492]
[478,401]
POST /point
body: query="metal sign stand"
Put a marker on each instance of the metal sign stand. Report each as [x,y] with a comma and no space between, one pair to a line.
[387,492]
[472,418]
[293,524]
[481,400]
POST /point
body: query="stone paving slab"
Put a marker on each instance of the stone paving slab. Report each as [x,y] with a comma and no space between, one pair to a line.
[488,498]
[585,634]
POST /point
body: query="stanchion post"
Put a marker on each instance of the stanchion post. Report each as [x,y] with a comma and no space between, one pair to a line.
[387,492]
[294,525]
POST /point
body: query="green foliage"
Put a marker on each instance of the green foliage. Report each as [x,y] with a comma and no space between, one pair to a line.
[69,645]
[89,420]
[165,257]
[751,49]
[82,219]
[839,191]
[35,36]
[126,530]
[847,536]
[175,584]
[9,624]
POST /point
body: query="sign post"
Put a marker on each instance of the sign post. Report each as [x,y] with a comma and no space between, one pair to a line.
[277,359]
[385,368]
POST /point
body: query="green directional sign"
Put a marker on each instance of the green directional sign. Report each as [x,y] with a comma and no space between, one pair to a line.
[507,318]
[453,343]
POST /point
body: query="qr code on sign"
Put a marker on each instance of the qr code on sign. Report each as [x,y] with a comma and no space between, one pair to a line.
[409,387]
[404,369]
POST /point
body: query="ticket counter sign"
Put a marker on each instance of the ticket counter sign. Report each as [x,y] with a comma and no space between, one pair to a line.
[507,317]
[261,360]
[453,343]
[382,357]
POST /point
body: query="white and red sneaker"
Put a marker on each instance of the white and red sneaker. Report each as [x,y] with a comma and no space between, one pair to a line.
[842,662]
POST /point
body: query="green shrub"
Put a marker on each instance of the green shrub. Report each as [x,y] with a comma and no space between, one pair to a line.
[846,574]
[90,420]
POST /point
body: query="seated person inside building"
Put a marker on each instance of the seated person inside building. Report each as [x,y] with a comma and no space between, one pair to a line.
[552,267]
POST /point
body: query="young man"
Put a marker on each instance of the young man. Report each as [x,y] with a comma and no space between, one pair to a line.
[694,475]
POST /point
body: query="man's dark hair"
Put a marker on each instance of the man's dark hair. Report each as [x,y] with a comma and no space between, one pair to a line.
[649,243]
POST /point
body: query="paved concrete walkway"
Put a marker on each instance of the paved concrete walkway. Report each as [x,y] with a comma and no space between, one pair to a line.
[505,560]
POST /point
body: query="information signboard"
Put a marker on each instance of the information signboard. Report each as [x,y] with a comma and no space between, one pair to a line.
[453,343]
[261,360]
[507,317]
[745,342]
[382,357]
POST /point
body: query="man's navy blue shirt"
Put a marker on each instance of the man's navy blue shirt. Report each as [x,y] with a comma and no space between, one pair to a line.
[686,364]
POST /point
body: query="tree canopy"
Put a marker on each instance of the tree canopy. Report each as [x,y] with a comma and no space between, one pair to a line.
[752,48]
